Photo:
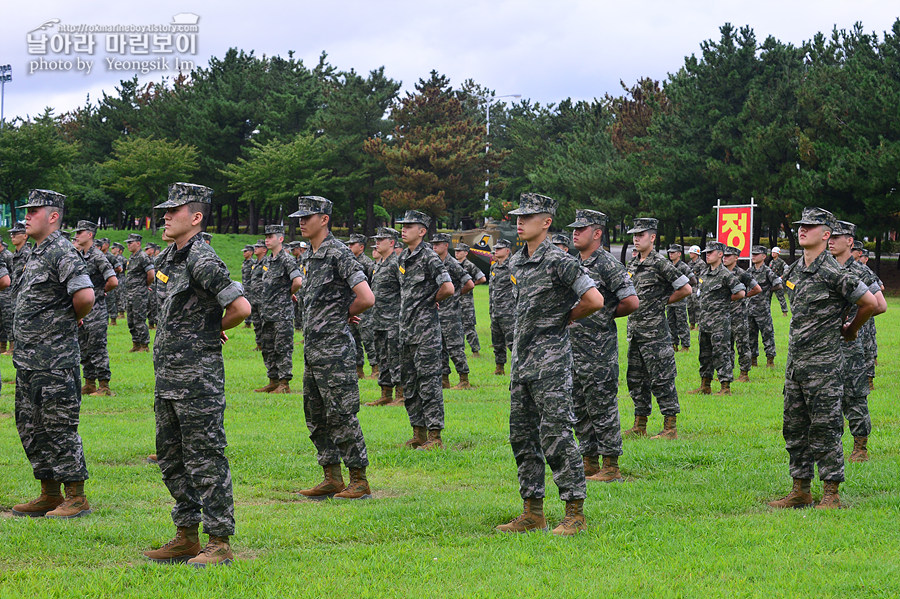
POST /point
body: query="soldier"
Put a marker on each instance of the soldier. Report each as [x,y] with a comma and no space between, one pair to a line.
[697,266]
[335,293]
[820,293]
[453,340]
[760,312]
[651,357]
[595,351]
[424,282]
[54,293]
[92,332]
[740,319]
[6,297]
[677,313]
[300,252]
[246,273]
[362,332]
[139,275]
[280,280]
[719,289]
[855,403]
[386,317]
[152,305]
[868,333]
[778,265]
[552,291]
[111,296]
[19,240]
[560,240]
[467,301]
[502,305]
[120,266]
[259,250]
[198,302]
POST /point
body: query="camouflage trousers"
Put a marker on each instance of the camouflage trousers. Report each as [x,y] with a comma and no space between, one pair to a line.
[121,299]
[677,315]
[298,313]
[330,404]
[596,408]
[714,353]
[420,371]
[152,308]
[190,446]
[855,403]
[541,419]
[257,323]
[467,305]
[112,303]
[92,343]
[868,335]
[7,310]
[813,424]
[502,333]
[693,309]
[453,343]
[48,405]
[740,339]
[388,351]
[365,345]
[651,368]
[276,341]
[136,308]
[760,323]
[779,293]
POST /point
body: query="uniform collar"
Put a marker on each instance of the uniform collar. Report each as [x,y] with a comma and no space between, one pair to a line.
[539,252]
[51,238]
[326,243]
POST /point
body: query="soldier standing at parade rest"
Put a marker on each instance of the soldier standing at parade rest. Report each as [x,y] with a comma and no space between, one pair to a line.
[280,280]
[677,313]
[453,339]
[19,239]
[118,250]
[362,332]
[740,317]
[386,317]
[502,305]
[152,252]
[246,273]
[54,294]
[552,291]
[467,301]
[198,302]
[595,350]
[259,250]
[778,266]
[139,275]
[112,301]
[335,293]
[651,357]
[424,282]
[93,329]
[6,298]
[697,266]
[821,293]
[761,306]
[295,251]
[719,288]
[868,334]
[855,403]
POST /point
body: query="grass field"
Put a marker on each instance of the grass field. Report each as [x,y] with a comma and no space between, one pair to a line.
[690,521]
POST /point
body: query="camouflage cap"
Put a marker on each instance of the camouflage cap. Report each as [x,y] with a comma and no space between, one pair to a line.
[44,197]
[18,227]
[118,246]
[86,225]
[639,225]
[247,248]
[440,238]
[153,245]
[502,244]
[356,238]
[759,249]
[104,240]
[588,218]
[186,193]
[535,203]
[134,237]
[386,233]
[715,246]
[274,229]
[259,244]
[730,250]
[560,238]
[675,247]
[309,205]
[843,227]
[858,244]
[66,234]
[414,217]
[865,252]
[813,216]
[461,247]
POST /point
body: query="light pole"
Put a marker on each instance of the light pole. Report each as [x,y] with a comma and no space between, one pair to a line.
[487,148]
[5,75]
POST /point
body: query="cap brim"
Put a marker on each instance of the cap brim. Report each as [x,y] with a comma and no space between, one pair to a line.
[807,223]
[636,230]
[410,222]
[302,213]
[577,225]
[32,205]
[523,212]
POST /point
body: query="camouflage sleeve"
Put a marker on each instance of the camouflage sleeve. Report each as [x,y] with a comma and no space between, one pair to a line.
[72,271]
[148,264]
[848,285]
[437,270]
[689,273]
[751,282]
[573,275]
[290,266]
[617,279]
[671,274]
[867,276]
[476,273]
[350,269]
[734,283]
[774,280]
[4,271]
[211,274]
[459,271]
[105,268]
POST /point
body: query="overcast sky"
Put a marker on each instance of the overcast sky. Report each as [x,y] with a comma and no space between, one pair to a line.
[544,50]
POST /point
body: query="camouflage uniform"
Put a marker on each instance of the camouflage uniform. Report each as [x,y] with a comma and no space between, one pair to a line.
[93,330]
[330,384]
[193,288]
[137,294]
[677,313]
[46,357]
[152,303]
[778,266]
[6,297]
[256,295]
[716,288]
[246,273]
[453,339]
[112,296]
[386,314]
[20,258]
[502,305]
[421,275]
[868,334]
[298,306]
[697,267]
[547,284]
[761,309]
[276,312]
[651,357]
[740,321]
[467,303]
[362,332]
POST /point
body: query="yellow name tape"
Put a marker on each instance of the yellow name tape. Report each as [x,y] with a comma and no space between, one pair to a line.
[513,279]
[789,285]
[162,277]
[402,270]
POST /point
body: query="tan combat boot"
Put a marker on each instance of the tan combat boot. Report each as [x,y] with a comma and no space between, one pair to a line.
[499,370]
[639,429]
[183,547]
[331,484]
[531,519]
[705,388]
[860,452]
[669,430]
[268,388]
[375,372]
[799,497]
[358,487]
[871,383]
[144,348]
[770,361]
[385,399]
[445,381]
[463,382]
[112,322]
[831,500]
[12,346]
[283,386]
[433,442]
[360,373]
[754,362]
[216,553]
[153,458]
[726,388]
[745,377]
[609,473]
[399,399]
[420,436]
[49,499]
[89,387]
[591,465]
[574,521]
[75,504]
[103,389]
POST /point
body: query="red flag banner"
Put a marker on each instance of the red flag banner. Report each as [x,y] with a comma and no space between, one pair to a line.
[735,226]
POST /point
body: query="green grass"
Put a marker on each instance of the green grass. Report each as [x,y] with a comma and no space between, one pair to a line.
[690,522]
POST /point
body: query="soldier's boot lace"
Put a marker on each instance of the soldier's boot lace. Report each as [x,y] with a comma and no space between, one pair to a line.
[799,497]
[530,520]
[831,499]
[217,552]
[669,431]
[183,547]
[358,487]
[574,522]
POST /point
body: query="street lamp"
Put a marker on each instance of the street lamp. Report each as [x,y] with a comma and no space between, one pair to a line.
[487,147]
[5,75]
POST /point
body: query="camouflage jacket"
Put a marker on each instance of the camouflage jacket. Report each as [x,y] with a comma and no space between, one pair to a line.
[45,326]
[778,266]
[99,270]
[687,271]
[274,296]
[246,272]
[698,266]
[20,257]
[716,288]
[193,287]
[654,280]
[502,292]
[368,265]
[255,287]
[459,277]
[473,272]
[136,272]
[421,274]
[749,283]
[821,294]
[767,280]
[6,268]
[866,275]
[547,285]
[386,287]
[332,271]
